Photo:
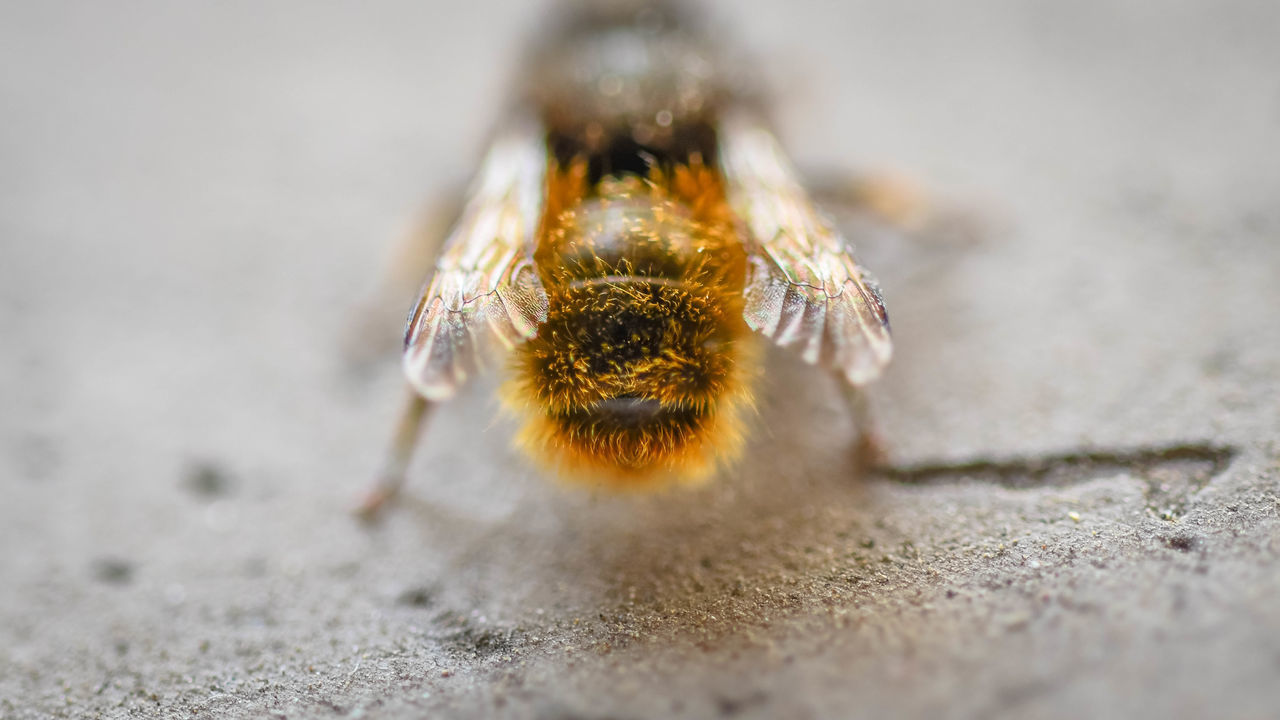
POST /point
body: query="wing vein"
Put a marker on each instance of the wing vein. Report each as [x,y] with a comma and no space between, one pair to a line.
[804,288]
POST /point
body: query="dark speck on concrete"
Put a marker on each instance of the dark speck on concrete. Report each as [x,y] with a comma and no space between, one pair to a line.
[730,707]
[208,479]
[420,597]
[113,571]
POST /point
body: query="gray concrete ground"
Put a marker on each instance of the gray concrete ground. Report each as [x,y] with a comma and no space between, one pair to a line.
[197,198]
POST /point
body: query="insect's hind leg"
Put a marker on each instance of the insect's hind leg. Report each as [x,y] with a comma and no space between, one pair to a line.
[388,483]
[869,450]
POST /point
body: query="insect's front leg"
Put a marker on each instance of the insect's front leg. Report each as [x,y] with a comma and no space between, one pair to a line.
[396,463]
[869,450]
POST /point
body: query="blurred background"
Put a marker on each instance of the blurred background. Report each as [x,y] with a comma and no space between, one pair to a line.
[200,204]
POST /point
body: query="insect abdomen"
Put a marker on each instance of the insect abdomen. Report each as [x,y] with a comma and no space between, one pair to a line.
[639,372]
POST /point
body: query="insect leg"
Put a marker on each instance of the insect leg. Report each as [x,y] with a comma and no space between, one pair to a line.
[869,450]
[392,478]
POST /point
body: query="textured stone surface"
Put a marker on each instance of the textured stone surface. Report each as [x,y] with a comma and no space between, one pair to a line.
[1083,411]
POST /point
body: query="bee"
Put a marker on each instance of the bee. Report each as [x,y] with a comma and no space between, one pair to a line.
[632,231]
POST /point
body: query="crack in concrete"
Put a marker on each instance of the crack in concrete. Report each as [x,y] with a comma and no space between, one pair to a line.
[1172,472]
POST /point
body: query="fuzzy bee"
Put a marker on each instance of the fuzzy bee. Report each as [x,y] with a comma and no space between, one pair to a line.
[632,231]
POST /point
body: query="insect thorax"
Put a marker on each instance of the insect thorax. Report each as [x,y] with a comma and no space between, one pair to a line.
[628,81]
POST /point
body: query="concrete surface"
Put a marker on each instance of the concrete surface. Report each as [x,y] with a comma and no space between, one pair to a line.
[1082,520]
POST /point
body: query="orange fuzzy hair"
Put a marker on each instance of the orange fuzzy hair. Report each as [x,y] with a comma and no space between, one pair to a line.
[644,280]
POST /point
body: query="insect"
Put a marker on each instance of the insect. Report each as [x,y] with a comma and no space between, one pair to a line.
[633,230]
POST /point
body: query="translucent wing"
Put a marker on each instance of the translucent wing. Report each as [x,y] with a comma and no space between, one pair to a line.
[485,294]
[804,288]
